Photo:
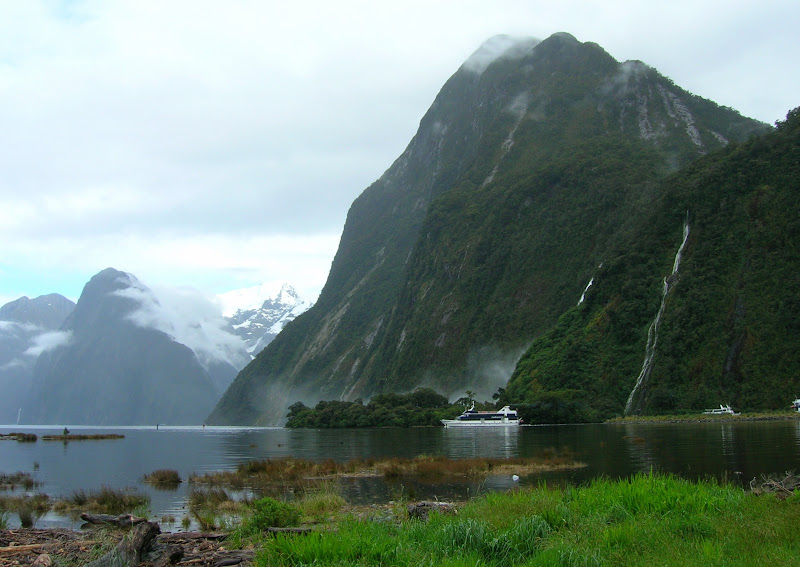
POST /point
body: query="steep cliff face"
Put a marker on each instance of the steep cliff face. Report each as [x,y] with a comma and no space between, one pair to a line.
[526,172]
[700,307]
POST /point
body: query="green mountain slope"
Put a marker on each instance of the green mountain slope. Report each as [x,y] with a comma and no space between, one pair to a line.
[731,317]
[523,176]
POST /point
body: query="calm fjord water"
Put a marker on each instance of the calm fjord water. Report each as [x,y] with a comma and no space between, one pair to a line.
[738,451]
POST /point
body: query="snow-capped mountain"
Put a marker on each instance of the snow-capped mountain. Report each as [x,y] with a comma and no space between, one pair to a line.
[257,314]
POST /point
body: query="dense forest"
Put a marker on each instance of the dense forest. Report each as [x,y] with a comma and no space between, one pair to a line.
[421,407]
[731,318]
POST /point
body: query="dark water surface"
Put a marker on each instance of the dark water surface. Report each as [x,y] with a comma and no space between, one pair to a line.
[737,451]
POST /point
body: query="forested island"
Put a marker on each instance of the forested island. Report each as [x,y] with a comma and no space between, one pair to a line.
[426,407]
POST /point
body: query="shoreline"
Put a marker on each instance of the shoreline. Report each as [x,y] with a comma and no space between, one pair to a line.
[700,418]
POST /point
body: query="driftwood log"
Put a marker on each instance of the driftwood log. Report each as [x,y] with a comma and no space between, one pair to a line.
[122,521]
[130,550]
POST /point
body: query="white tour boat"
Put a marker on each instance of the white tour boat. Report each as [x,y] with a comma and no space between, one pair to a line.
[721,410]
[504,417]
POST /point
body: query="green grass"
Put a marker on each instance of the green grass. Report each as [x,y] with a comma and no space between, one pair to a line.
[698,416]
[648,520]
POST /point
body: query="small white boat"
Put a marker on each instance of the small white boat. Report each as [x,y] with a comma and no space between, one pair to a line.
[504,417]
[721,410]
[796,405]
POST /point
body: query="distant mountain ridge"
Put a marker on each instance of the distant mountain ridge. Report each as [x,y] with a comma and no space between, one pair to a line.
[534,164]
[118,369]
[257,314]
[27,327]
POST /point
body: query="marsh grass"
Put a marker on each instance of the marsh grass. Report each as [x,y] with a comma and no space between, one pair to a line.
[71,437]
[29,509]
[21,437]
[104,501]
[163,479]
[305,475]
[646,520]
[213,507]
[13,480]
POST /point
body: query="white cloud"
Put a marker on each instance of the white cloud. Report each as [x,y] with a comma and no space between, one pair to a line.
[133,127]
[13,327]
[190,318]
[497,47]
[47,341]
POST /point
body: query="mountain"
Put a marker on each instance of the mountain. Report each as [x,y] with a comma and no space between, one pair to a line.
[27,327]
[257,314]
[534,164]
[118,368]
[702,305]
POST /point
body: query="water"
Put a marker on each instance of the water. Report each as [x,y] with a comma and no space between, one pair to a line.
[738,451]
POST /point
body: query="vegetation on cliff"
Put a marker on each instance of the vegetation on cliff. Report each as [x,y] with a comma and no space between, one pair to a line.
[730,320]
[520,181]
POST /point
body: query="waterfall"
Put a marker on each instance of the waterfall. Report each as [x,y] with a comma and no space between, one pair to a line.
[652,332]
[583,295]
[591,281]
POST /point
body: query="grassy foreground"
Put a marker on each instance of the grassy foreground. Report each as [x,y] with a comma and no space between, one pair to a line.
[648,520]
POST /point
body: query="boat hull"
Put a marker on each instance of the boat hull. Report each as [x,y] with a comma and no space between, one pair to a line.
[479,423]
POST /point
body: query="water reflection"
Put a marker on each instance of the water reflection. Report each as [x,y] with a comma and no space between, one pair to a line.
[736,451]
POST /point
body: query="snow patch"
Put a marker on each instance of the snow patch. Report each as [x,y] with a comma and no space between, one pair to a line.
[250,298]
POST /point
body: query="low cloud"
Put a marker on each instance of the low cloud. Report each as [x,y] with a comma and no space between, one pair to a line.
[14,328]
[190,318]
[497,47]
[48,341]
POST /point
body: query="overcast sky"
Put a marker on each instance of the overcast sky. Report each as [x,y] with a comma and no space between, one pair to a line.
[219,144]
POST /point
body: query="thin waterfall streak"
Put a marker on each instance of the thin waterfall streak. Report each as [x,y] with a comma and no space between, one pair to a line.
[583,295]
[652,332]
[678,256]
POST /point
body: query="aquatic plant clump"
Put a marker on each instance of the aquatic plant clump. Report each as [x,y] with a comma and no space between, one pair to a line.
[28,508]
[81,437]
[257,474]
[13,480]
[21,437]
[104,501]
[163,478]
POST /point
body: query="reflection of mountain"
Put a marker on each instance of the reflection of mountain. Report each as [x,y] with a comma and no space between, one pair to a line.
[117,371]
[27,327]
